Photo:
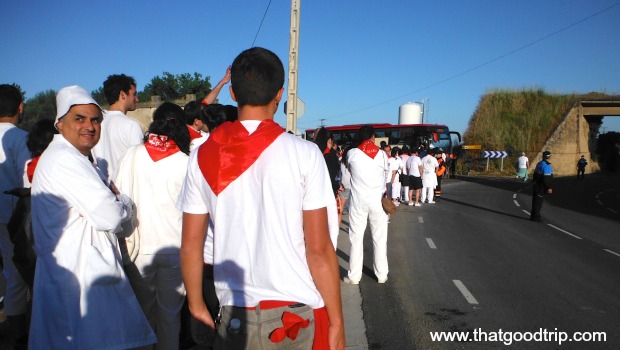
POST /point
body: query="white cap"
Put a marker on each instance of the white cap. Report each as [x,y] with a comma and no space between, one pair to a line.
[71,96]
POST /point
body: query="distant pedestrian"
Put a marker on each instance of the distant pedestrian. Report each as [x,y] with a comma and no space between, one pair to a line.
[414,169]
[581,167]
[543,176]
[429,176]
[523,163]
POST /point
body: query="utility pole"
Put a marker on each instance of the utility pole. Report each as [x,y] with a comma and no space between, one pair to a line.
[293,58]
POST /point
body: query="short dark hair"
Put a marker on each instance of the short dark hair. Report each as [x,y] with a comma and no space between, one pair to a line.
[40,135]
[10,99]
[367,132]
[193,110]
[257,75]
[116,83]
[169,120]
[213,115]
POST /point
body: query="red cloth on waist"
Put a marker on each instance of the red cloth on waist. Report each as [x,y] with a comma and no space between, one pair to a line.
[32,164]
[321,329]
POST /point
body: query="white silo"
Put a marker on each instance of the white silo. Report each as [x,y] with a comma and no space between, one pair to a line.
[410,113]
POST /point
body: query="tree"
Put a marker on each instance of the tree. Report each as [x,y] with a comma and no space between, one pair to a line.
[42,105]
[99,96]
[170,87]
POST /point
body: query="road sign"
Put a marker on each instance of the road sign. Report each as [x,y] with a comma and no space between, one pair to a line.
[472,146]
[301,108]
[495,154]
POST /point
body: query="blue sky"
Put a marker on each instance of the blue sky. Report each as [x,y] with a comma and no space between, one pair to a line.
[358,60]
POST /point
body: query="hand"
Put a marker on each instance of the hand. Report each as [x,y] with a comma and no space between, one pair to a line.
[226,77]
[114,189]
[336,338]
[204,316]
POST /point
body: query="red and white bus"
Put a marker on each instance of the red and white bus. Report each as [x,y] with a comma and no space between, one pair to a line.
[410,135]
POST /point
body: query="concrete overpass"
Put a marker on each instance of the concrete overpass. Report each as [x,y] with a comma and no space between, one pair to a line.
[576,136]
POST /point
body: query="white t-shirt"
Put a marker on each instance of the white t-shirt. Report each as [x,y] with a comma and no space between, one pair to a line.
[118,133]
[195,143]
[413,166]
[368,176]
[155,188]
[523,162]
[394,164]
[259,248]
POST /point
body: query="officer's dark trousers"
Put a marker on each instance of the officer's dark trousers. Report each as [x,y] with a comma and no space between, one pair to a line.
[538,198]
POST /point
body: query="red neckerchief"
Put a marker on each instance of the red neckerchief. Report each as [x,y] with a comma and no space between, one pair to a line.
[193,134]
[32,164]
[230,150]
[159,147]
[327,150]
[369,148]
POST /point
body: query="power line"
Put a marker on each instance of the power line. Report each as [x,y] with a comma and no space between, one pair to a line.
[480,65]
[261,23]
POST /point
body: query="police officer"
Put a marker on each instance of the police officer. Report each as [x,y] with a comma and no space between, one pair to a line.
[543,176]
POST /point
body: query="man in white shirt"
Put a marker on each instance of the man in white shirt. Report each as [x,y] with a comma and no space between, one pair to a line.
[523,164]
[414,169]
[13,157]
[369,168]
[273,254]
[82,298]
[429,176]
[118,131]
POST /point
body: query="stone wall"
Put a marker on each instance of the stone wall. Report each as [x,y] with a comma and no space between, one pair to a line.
[144,110]
[567,144]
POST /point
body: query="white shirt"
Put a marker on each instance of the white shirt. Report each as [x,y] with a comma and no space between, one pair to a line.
[259,246]
[368,176]
[13,157]
[195,143]
[154,187]
[403,158]
[413,166]
[523,162]
[345,177]
[82,297]
[429,166]
[118,133]
[394,164]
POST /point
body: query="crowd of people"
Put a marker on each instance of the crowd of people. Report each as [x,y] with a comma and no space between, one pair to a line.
[214,209]
[214,205]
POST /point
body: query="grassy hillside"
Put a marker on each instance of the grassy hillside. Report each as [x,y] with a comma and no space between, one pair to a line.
[518,121]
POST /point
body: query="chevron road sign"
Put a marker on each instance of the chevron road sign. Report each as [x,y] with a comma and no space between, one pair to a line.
[495,154]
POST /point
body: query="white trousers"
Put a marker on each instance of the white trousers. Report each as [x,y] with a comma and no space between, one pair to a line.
[396,189]
[159,288]
[359,215]
[16,289]
[427,192]
[406,193]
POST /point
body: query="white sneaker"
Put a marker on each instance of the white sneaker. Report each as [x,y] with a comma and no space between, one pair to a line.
[431,202]
[382,280]
[410,204]
[349,281]
[418,205]
[396,204]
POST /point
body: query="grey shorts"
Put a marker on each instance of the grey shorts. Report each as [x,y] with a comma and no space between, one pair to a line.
[345,194]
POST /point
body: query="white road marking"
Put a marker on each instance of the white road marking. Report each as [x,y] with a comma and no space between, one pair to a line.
[421,219]
[600,203]
[468,296]
[516,203]
[514,196]
[431,244]
[613,211]
[568,233]
[526,212]
[608,251]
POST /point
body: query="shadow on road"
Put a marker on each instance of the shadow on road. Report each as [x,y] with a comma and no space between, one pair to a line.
[568,193]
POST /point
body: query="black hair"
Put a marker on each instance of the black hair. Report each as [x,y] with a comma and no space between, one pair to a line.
[169,120]
[40,135]
[366,132]
[10,99]
[193,110]
[257,75]
[344,155]
[116,83]
[322,136]
[213,115]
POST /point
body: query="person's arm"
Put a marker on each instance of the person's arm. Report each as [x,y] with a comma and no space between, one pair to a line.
[212,95]
[192,245]
[323,264]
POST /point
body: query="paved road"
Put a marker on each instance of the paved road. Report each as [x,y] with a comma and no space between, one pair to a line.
[475,262]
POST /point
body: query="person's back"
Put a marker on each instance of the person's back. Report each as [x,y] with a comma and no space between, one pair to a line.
[118,131]
[267,193]
[368,175]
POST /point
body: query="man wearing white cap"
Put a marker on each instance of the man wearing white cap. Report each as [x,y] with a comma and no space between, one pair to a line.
[118,131]
[82,298]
